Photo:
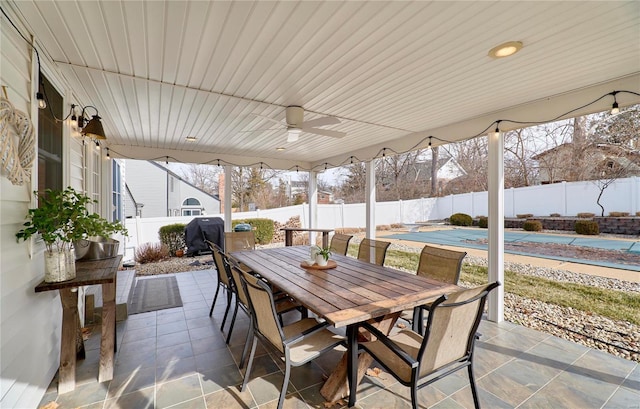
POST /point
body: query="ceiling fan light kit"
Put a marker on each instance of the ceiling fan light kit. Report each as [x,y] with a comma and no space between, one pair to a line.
[293,134]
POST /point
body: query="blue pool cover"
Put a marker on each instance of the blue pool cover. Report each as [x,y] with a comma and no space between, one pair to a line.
[466,237]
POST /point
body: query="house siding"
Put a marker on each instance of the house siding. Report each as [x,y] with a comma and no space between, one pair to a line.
[151,185]
[148,184]
[30,323]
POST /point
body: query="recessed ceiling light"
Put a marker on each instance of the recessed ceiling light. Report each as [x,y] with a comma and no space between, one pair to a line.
[280,148]
[505,49]
[190,138]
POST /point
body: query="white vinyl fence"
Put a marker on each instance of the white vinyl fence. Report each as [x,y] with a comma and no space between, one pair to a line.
[567,199]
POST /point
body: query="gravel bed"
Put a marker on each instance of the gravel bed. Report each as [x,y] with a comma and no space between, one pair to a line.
[619,338]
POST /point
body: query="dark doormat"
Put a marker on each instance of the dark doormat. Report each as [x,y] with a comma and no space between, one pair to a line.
[158,293]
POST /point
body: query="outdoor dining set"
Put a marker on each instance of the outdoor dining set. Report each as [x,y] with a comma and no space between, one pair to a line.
[354,302]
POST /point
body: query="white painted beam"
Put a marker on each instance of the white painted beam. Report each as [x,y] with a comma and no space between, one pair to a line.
[496,224]
[313,205]
[228,193]
[370,197]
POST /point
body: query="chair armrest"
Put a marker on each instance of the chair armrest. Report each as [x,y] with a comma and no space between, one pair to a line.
[389,344]
[304,334]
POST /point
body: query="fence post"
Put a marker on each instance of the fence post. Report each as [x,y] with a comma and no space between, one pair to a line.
[635,192]
[564,199]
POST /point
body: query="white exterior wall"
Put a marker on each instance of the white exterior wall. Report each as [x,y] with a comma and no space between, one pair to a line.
[30,323]
[139,175]
[210,204]
[148,185]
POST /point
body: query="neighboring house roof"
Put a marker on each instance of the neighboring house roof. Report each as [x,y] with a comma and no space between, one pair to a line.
[553,150]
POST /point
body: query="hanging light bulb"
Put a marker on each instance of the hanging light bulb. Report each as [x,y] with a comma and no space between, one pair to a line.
[97,145]
[108,156]
[42,104]
[74,119]
[430,140]
[496,133]
[614,108]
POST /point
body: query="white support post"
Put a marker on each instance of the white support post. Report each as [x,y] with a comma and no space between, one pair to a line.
[228,194]
[496,225]
[313,205]
[370,195]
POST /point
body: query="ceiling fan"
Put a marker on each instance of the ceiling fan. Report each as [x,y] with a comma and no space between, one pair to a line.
[295,124]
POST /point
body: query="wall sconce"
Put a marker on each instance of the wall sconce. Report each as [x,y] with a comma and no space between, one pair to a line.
[93,129]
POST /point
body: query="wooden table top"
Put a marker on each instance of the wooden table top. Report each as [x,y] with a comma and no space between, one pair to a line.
[87,273]
[354,291]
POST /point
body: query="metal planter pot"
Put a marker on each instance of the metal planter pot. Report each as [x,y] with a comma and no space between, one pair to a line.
[96,248]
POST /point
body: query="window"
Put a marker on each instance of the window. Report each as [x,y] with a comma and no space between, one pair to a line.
[191,212]
[50,140]
[116,190]
[192,207]
[191,202]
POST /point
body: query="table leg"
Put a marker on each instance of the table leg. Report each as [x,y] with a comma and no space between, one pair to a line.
[325,239]
[288,238]
[107,339]
[337,387]
[68,345]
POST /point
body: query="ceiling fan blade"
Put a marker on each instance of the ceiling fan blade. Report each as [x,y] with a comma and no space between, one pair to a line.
[260,130]
[325,120]
[325,132]
[269,119]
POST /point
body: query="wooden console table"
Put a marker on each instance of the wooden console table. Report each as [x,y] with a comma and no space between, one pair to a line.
[101,272]
[288,235]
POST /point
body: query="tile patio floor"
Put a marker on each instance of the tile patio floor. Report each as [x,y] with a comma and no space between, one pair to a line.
[177,358]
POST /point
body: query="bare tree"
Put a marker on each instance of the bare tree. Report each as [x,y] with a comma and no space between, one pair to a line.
[401,176]
[352,188]
[616,138]
[204,177]
[519,169]
[471,155]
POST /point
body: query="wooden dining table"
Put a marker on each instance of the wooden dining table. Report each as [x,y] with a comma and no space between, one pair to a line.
[355,291]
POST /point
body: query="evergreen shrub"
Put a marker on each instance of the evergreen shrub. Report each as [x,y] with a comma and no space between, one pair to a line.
[262,228]
[588,227]
[172,236]
[460,219]
[532,225]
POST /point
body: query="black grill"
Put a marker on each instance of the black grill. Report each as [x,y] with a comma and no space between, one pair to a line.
[200,229]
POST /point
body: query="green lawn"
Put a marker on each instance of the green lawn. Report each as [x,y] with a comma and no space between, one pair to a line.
[613,304]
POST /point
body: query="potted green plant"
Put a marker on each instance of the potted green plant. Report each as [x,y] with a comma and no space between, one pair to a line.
[61,219]
[322,256]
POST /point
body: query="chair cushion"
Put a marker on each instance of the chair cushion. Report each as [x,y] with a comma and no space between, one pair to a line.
[406,340]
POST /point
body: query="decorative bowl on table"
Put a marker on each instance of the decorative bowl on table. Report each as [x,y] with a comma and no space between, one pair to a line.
[311,264]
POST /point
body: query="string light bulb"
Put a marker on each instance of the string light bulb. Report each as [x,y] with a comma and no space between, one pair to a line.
[42,104]
[108,157]
[166,160]
[496,133]
[97,145]
[74,119]
[430,140]
[614,108]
